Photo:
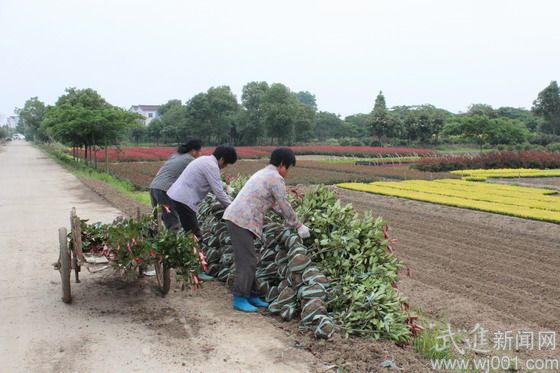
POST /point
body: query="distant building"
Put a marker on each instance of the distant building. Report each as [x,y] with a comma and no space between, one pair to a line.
[12,121]
[149,112]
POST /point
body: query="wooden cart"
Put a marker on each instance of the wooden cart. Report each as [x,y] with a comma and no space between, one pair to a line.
[72,257]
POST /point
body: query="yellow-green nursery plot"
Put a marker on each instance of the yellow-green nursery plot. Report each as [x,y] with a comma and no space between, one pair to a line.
[483,174]
[533,203]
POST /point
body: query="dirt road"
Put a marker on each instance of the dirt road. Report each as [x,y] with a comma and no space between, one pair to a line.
[111,326]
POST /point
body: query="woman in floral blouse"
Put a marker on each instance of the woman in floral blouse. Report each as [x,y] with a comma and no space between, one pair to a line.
[245,218]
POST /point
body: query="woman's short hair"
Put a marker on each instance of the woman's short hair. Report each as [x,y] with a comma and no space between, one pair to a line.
[284,156]
[194,144]
[227,152]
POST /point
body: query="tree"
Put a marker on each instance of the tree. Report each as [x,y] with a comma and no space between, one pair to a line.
[212,115]
[379,121]
[174,126]
[169,104]
[276,113]
[222,110]
[423,125]
[403,123]
[356,125]
[30,118]
[154,130]
[506,131]
[170,124]
[304,122]
[327,125]
[484,130]
[308,99]
[430,121]
[417,123]
[82,117]
[137,132]
[531,121]
[471,127]
[198,115]
[3,133]
[482,109]
[280,112]
[547,105]
[251,125]
[169,134]
[238,122]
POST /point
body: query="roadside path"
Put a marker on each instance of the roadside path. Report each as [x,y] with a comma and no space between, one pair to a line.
[110,326]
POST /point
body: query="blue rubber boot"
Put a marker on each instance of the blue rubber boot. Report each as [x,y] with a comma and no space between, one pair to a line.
[205,276]
[242,304]
[257,302]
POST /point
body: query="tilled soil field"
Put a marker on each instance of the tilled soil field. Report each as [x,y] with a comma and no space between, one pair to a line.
[472,267]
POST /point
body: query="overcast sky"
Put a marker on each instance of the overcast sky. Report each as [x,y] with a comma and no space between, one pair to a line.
[447,53]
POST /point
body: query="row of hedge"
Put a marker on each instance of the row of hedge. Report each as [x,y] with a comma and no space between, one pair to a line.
[553,147]
[527,159]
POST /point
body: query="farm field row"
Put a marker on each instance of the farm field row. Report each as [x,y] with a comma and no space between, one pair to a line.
[492,160]
[305,172]
[396,160]
[533,203]
[482,174]
[254,152]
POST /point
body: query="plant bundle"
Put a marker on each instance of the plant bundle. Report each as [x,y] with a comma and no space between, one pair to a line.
[130,244]
[94,236]
[356,254]
[178,250]
[343,277]
[282,263]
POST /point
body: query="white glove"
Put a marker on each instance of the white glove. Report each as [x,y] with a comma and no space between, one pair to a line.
[303,232]
[229,190]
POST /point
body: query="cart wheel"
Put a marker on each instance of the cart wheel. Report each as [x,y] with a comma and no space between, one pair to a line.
[65,265]
[163,277]
[76,267]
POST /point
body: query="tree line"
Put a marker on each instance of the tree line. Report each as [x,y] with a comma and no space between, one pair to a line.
[80,118]
[273,114]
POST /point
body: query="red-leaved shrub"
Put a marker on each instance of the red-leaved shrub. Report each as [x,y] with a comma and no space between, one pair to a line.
[526,159]
[247,152]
